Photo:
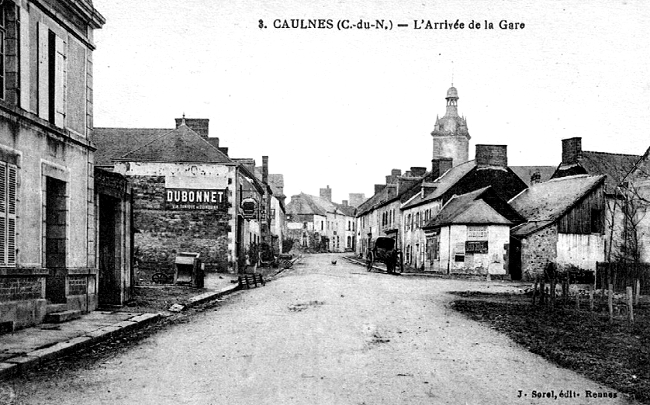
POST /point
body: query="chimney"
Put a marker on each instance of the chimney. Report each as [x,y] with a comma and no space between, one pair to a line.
[379,187]
[265,169]
[418,171]
[198,125]
[326,193]
[344,203]
[440,165]
[395,172]
[404,182]
[356,199]
[535,178]
[571,150]
[248,163]
[492,155]
[223,150]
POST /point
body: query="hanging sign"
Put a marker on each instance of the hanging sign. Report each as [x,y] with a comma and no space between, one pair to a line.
[195,199]
[249,208]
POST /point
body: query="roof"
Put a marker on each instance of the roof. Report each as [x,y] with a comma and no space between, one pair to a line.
[178,145]
[526,172]
[543,203]
[112,143]
[305,204]
[613,165]
[442,184]
[346,209]
[468,209]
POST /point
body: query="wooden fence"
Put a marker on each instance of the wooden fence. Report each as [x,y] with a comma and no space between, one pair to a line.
[623,275]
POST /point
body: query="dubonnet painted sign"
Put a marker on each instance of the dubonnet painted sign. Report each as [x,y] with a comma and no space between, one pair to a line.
[195,199]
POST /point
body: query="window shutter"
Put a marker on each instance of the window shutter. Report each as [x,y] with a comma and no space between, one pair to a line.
[59,82]
[11,215]
[43,72]
[3,214]
[25,69]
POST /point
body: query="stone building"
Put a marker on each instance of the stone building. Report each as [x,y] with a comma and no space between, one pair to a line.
[565,224]
[48,250]
[189,196]
[380,215]
[627,196]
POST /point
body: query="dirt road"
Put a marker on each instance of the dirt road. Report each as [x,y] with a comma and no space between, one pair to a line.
[324,334]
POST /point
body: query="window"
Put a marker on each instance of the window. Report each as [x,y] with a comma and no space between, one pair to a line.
[477,233]
[417,219]
[7,214]
[596,220]
[459,252]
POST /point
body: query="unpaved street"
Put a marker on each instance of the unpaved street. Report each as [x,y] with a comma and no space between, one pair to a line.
[323,334]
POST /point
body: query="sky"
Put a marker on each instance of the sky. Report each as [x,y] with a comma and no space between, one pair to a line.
[341,108]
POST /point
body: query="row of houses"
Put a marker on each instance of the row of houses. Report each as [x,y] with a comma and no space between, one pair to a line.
[482,216]
[317,224]
[81,207]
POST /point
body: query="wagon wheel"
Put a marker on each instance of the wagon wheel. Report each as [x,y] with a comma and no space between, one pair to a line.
[369,260]
[160,278]
[399,265]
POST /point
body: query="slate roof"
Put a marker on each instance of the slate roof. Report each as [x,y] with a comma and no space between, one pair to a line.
[346,209]
[613,165]
[178,145]
[468,209]
[442,184]
[115,142]
[544,203]
[306,204]
[525,172]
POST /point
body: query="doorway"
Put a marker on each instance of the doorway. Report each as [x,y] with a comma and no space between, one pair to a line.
[109,288]
[56,212]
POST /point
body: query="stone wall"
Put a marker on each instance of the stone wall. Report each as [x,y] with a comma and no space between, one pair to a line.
[537,250]
[164,233]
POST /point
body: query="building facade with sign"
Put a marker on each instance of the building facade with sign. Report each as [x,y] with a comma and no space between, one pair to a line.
[188,195]
[47,246]
[471,234]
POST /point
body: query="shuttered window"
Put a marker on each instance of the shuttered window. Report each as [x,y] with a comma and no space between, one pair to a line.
[7,214]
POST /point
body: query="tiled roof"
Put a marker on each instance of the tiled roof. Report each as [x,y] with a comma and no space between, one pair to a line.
[468,209]
[442,184]
[178,145]
[525,172]
[613,165]
[113,143]
[543,203]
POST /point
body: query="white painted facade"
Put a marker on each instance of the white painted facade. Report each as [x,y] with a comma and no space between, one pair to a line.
[580,250]
[453,258]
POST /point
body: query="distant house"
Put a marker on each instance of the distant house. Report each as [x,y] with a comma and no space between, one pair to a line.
[318,224]
[380,215]
[565,224]
[470,234]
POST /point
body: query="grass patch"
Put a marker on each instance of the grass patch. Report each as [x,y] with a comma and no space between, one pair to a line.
[615,354]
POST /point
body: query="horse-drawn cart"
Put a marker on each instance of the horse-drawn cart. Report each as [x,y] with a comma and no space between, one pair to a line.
[384,250]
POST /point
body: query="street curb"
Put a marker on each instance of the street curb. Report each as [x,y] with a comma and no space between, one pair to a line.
[14,366]
[209,296]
